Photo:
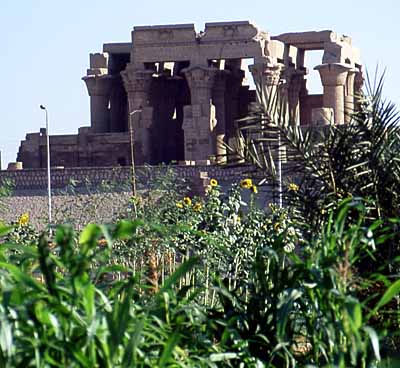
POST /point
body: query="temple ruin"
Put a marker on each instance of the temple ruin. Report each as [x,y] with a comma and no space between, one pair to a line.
[178,93]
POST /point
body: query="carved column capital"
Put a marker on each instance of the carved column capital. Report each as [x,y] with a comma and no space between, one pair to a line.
[201,81]
[269,74]
[333,74]
[136,80]
[98,85]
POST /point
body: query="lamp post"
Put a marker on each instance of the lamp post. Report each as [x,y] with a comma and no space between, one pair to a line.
[131,135]
[48,161]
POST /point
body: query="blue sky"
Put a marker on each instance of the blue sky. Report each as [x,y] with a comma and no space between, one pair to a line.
[45,46]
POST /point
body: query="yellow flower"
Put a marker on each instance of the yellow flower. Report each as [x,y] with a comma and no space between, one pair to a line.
[254,189]
[179,204]
[187,201]
[213,182]
[197,207]
[246,183]
[273,207]
[102,242]
[293,187]
[277,225]
[23,219]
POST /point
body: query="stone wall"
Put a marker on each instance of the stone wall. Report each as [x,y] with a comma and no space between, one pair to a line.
[35,180]
[77,209]
[83,195]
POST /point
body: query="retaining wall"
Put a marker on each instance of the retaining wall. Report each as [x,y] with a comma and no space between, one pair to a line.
[35,180]
[82,195]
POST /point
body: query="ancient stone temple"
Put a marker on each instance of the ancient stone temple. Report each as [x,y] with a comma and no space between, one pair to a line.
[177,94]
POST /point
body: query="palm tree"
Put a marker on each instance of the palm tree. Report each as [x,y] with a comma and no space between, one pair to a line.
[360,159]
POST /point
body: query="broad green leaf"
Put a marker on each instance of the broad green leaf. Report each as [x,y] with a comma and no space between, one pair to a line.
[32,251]
[168,350]
[22,277]
[374,341]
[89,234]
[355,312]
[125,229]
[182,270]
[4,230]
[130,358]
[390,293]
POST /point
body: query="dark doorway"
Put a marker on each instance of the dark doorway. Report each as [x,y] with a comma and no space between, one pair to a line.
[168,97]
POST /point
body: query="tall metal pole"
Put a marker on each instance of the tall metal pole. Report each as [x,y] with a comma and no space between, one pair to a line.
[48,162]
[131,135]
[280,170]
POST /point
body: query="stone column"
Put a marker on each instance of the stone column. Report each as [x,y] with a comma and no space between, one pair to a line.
[219,100]
[199,117]
[137,84]
[333,77]
[349,95]
[295,84]
[232,101]
[266,77]
[99,88]
[118,106]
[358,85]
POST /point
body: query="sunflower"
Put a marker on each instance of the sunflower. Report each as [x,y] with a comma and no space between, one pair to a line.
[197,207]
[293,187]
[179,204]
[254,189]
[213,182]
[23,219]
[187,201]
[246,183]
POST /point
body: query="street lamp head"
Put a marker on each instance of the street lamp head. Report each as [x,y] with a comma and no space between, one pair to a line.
[42,107]
[135,111]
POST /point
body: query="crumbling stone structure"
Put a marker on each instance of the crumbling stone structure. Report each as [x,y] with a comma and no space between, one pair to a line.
[177,93]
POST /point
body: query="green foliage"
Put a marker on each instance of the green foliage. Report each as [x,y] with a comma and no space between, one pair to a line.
[53,313]
[315,168]
[238,295]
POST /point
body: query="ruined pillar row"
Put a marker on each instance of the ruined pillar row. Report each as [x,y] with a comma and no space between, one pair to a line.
[349,102]
[199,117]
[137,83]
[219,101]
[334,77]
[99,89]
